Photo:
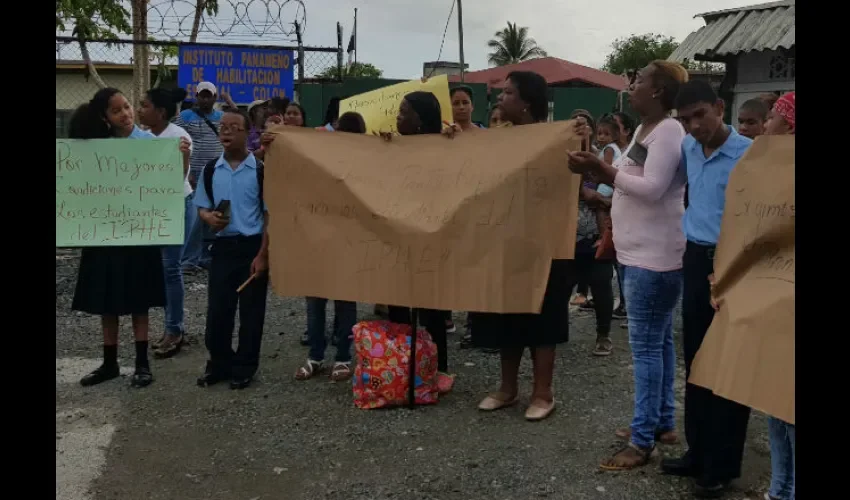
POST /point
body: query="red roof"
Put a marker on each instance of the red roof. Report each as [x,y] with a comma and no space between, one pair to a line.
[554,70]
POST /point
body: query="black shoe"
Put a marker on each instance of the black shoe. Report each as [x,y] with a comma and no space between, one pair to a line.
[682,466]
[210,377]
[490,350]
[619,313]
[240,383]
[142,377]
[101,374]
[466,342]
[710,488]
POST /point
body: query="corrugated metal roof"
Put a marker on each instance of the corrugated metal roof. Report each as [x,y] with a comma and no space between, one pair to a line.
[758,27]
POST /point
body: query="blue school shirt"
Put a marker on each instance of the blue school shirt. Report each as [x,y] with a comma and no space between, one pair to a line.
[707,179]
[138,133]
[241,188]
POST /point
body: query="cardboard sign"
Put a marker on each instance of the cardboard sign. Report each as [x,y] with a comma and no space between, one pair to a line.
[470,223]
[748,353]
[379,107]
[119,192]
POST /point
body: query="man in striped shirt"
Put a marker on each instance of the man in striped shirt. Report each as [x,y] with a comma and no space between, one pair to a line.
[201,122]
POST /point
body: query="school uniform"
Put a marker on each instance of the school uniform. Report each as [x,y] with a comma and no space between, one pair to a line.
[233,250]
[715,428]
[117,281]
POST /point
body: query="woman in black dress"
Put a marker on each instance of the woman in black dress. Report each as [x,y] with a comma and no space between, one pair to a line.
[117,281]
[420,113]
[524,101]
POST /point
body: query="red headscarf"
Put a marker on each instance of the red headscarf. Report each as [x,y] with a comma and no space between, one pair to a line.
[785,107]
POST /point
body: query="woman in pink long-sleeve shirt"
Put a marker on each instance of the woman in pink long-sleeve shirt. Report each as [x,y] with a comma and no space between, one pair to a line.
[646,212]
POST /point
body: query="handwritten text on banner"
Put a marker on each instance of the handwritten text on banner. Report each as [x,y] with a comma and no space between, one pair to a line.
[379,108]
[748,353]
[469,224]
[119,192]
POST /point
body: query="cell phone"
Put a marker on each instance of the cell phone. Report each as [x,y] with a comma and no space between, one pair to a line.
[224,208]
[637,153]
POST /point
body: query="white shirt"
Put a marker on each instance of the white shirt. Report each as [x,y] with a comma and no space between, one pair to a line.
[177,131]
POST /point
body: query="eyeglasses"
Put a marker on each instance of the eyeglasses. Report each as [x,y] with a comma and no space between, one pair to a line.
[229,129]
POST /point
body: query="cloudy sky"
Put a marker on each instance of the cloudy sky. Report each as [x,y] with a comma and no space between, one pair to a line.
[399,35]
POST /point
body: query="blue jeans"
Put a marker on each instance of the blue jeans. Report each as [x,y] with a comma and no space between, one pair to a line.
[652,298]
[195,250]
[783,444]
[172,268]
[345,317]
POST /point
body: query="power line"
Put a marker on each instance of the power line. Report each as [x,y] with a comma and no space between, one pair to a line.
[446,30]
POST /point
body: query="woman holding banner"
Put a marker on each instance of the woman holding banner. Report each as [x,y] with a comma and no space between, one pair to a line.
[117,281]
[524,101]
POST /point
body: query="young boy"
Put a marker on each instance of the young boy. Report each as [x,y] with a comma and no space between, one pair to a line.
[752,117]
[229,198]
[716,428]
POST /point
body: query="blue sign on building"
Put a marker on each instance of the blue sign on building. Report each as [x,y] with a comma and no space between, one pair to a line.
[246,74]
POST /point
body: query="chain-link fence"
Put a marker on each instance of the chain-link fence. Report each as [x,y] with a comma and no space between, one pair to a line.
[113,67]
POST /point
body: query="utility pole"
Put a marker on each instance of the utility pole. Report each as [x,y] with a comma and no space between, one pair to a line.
[460,37]
[355,34]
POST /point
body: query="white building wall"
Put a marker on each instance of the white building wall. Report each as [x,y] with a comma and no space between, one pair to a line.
[755,77]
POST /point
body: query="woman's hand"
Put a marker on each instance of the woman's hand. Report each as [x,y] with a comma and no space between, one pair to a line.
[386,136]
[273,120]
[450,130]
[184,145]
[581,162]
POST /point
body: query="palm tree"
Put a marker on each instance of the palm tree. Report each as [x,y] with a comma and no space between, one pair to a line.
[513,45]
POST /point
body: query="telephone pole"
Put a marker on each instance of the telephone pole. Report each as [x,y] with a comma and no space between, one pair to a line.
[460,37]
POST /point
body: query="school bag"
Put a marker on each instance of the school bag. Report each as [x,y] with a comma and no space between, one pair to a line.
[209,170]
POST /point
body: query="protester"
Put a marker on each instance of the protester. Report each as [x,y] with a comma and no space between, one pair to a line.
[624,139]
[345,312]
[257,111]
[201,122]
[715,428]
[496,118]
[524,101]
[157,108]
[238,273]
[783,436]
[646,212]
[295,115]
[117,281]
[752,117]
[462,107]
[420,113]
[582,298]
[331,115]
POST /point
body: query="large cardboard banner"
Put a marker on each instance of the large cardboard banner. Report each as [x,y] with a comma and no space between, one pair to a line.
[119,192]
[748,354]
[470,223]
[379,107]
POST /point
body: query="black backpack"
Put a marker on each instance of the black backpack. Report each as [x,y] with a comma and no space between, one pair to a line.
[209,170]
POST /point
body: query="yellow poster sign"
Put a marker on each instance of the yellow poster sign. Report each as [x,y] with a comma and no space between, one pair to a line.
[379,107]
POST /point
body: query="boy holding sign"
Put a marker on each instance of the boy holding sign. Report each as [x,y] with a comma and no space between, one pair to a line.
[229,197]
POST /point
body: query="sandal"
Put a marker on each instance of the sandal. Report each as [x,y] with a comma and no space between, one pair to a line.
[664,437]
[466,342]
[158,342]
[629,457]
[309,370]
[603,347]
[341,371]
[142,377]
[588,304]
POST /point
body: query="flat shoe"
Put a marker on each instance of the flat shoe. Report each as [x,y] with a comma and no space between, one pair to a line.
[491,403]
[536,412]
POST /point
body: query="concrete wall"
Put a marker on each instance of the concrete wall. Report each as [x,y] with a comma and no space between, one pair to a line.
[754,79]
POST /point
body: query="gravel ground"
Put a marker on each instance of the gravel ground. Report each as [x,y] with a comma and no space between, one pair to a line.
[282,439]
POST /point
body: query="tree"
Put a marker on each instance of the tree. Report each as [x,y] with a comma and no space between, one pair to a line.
[93,20]
[201,6]
[635,52]
[513,45]
[353,70]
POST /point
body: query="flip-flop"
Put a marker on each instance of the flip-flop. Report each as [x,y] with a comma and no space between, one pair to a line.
[491,403]
[536,412]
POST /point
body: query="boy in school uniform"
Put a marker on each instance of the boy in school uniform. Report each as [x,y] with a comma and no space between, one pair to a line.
[229,197]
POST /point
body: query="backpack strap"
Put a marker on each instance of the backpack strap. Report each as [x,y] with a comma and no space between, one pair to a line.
[207,174]
[261,175]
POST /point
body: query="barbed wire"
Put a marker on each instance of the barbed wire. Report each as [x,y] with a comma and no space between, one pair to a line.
[174,18]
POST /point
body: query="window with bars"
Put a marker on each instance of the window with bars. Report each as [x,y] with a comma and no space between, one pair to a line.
[782,67]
